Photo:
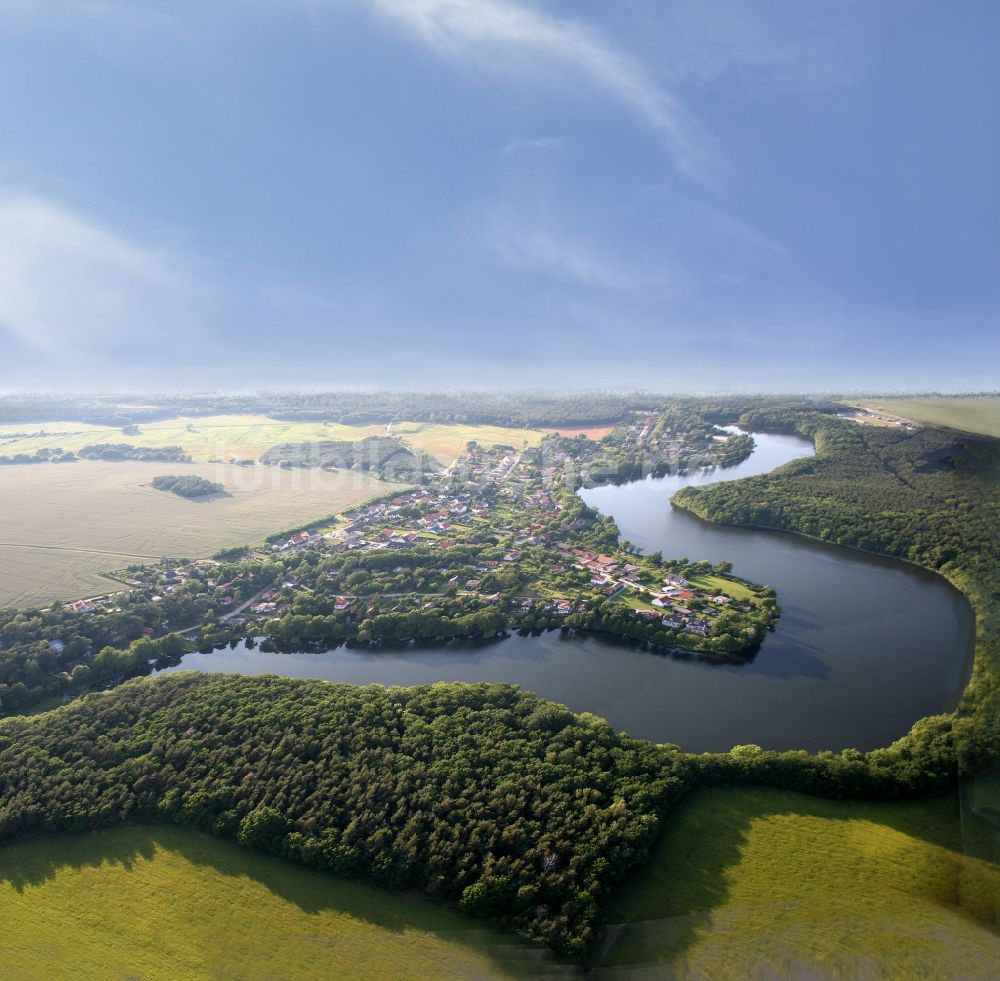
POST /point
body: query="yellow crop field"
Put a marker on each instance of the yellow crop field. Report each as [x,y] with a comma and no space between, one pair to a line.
[171,904]
[203,437]
[62,525]
[757,883]
[242,437]
[446,442]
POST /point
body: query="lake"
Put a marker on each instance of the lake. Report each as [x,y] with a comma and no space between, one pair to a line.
[865,646]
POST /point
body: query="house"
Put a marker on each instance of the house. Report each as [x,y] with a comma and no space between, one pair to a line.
[341,603]
[662,600]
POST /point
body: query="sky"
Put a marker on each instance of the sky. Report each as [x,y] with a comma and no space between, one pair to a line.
[676,195]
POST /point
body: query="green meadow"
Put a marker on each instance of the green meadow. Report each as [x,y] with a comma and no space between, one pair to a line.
[972,415]
[757,883]
[174,904]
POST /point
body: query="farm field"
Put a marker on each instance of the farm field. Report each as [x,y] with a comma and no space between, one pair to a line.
[757,883]
[203,437]
[591,432]
[62,525]
[172,904]
[246,437]
[445,442]
[974,415]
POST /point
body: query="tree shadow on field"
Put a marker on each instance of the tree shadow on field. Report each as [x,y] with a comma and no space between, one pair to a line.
[40,860]
[678,899]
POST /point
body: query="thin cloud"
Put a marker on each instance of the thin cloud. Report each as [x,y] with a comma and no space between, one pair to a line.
[66,283]
[538,143]
[545,252]
[511,37]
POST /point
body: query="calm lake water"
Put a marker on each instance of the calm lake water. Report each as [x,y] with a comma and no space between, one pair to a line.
[864,648]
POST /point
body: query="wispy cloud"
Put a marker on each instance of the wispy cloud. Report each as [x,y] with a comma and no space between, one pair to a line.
[510,37]
[517,39]
[545,251]
[536,143]
[68,283]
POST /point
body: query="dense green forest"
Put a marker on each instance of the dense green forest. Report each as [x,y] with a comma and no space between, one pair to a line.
[927,496]
[514,807]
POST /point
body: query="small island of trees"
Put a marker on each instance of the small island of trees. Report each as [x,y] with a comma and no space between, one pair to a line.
[188,485]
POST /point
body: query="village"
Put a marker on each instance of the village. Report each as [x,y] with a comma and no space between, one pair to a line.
[498,541]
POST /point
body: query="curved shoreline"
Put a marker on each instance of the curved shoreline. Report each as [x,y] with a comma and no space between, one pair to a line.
[816,540]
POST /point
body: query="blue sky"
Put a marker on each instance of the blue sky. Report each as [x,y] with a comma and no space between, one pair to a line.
[673,194]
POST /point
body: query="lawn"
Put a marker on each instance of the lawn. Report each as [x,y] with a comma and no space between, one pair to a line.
[62,525]
[716,585]
[446,442]
[757,883]
[174,904]
[973,415]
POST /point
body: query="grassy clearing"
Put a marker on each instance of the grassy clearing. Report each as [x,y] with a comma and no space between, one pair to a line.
[716,584]
[62,525]
[203,437]
[757,883]
[170,903]
[445,442]
[976,415]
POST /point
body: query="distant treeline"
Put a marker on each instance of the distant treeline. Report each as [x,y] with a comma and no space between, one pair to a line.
[491,407]
[142,454]
[44,455]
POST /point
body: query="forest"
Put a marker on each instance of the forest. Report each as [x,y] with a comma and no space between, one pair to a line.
[483,795]
[927,496]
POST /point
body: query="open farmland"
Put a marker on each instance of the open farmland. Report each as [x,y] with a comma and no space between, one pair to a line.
[445,442]
[247,437]
[972,415]
[166,903]
[203,438]
[591,432]
[62,525]
[757,883]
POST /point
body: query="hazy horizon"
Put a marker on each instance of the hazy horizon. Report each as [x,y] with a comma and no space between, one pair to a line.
[481,194]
